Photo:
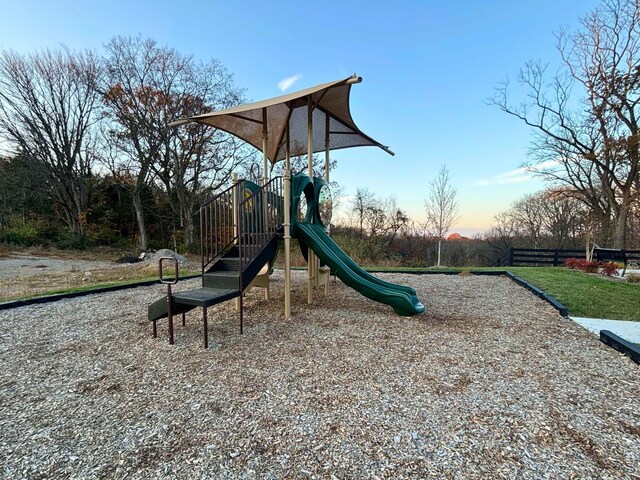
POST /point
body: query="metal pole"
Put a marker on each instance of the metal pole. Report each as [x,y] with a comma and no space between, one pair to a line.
[327,161]
[205,325]
[265,163]
[326,148]
[170,313]
[310,137]
[241,313]
[310,255]
[203,248]
[265,146]
[236,202]
[287,228]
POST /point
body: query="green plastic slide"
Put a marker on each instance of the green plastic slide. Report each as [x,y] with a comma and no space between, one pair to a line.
[403,300]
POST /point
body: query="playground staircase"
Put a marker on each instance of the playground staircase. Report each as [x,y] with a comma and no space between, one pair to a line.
[240,231]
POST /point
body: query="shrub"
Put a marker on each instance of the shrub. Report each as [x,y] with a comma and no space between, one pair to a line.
[575,263]
[25,235]
[608,269]
[633,278]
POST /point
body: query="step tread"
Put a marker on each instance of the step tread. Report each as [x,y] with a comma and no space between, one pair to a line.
[205,297]
[223,273]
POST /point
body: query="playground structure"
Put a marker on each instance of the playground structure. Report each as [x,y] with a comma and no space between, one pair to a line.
[242,226]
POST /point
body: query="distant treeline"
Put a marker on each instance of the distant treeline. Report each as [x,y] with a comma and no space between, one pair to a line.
[90,159]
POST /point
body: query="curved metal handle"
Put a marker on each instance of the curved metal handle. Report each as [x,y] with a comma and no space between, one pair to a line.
[175,264]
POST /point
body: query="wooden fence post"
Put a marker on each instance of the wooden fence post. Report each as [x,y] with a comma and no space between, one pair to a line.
[511,256]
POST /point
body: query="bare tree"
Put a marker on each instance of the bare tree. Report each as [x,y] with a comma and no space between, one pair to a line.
[197,160]
[592,145]
[529,215]
[397,220]
[147,87]
[138,73]
[564,218]
[501,238]
[441,206]
[48,106]
[24,191]
[361,204]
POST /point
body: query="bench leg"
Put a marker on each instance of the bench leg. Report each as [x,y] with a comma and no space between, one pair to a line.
[206,327]
[155,330]
[170,317]
[241,319]
[184,322]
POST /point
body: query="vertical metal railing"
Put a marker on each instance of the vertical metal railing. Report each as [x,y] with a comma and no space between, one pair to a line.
[260,217]
[217,233]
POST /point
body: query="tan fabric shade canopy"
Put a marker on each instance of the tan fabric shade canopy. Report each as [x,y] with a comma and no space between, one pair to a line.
[330,111]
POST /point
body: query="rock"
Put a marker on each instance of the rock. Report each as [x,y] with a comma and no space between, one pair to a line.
[165,252]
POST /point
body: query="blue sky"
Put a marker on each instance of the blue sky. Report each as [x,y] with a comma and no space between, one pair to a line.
[428,67]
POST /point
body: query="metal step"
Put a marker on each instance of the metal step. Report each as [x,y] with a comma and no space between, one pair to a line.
[222,279]
[230,264]
[204,297]
[158,309]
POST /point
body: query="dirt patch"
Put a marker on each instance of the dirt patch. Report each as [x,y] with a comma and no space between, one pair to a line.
[23,273]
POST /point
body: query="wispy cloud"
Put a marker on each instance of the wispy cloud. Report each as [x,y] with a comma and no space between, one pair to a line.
[518,175]
[546,165]
[288,82]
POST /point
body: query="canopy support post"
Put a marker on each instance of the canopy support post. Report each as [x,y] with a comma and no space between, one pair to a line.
[265,174]
[287,228]
[265,146]
[310,254]
[327,144]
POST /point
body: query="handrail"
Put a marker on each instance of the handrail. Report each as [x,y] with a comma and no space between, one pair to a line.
[217,225]
[248,222]
[260,216]
[218,195]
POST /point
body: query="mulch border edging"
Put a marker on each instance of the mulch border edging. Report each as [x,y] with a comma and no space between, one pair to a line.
[550,299]
[62,296]
[562,309]
[621,345]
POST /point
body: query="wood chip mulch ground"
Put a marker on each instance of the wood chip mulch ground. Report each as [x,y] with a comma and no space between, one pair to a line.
[489,383]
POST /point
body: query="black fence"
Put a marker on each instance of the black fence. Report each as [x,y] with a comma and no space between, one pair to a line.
[554,257]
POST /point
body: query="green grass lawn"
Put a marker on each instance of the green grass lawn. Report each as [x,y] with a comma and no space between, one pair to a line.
[586,295]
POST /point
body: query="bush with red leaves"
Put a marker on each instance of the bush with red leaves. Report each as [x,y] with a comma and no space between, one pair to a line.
[575,263]
[609,269]
[590,267]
